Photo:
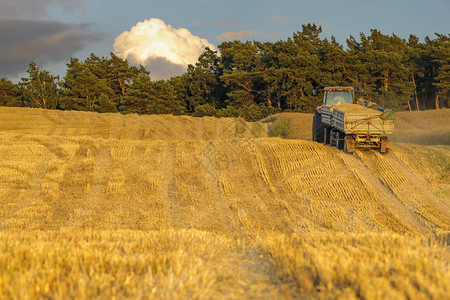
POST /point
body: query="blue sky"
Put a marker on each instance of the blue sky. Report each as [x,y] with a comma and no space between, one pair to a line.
[67,28]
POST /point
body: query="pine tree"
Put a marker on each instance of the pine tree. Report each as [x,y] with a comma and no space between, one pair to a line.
[83,89]
[40,88]
[203,83]
[441,82]
[387,63]
[9,93]
[147,97]
[242,76]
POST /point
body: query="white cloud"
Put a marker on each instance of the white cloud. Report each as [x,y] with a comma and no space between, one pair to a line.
[164,50]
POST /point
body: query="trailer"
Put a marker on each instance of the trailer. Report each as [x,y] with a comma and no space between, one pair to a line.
[340,123]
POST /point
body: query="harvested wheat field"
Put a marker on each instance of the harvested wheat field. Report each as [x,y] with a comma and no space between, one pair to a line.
[110,206]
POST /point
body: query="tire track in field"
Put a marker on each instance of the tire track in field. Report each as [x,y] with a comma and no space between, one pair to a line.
[408,194]
[169,173]
[92,208]
[31,205]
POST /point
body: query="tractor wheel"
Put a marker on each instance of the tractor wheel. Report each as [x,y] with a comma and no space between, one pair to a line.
[317,128]
[340,140]
[326,135]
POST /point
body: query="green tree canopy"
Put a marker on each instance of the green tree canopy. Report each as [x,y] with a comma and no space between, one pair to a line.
[9,93]
[40,88]
[83,90]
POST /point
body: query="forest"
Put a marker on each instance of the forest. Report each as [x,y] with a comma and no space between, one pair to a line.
[251,79]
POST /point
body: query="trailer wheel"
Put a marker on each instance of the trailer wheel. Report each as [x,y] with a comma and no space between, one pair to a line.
[317,128]
[333,136]
[340,140]
[349,144]
[384,145]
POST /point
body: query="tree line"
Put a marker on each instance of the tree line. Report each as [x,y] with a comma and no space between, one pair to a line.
[251,79]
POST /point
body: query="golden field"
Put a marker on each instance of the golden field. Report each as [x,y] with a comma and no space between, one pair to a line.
[110,206]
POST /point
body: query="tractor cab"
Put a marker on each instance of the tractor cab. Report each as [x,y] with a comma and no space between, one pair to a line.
[338,95]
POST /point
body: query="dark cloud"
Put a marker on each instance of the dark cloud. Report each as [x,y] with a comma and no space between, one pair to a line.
[162,68]
[44,41]
[159,67]
[33,9]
